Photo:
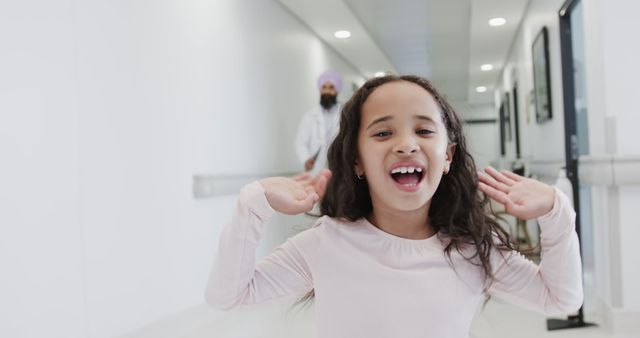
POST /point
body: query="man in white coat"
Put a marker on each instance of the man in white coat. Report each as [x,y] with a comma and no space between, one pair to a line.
[319,126]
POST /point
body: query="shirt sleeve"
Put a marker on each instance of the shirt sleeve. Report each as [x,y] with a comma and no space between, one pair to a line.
[555,285]
[235,278]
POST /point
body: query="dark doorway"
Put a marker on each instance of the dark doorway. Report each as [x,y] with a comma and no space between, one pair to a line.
[516,120]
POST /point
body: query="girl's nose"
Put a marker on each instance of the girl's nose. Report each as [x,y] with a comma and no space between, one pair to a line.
[406,146]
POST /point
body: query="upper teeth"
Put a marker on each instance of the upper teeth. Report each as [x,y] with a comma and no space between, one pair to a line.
[404,170]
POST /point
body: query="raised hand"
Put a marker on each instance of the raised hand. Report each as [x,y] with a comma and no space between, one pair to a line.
[522,197]
[295,195]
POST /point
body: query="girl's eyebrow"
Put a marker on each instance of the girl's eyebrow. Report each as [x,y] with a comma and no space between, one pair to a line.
[389,117]
[382,119]
[424,117]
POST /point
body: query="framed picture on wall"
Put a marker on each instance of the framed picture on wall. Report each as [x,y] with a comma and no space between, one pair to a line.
[541,76]
[502,135]
[507,117]
[505,124]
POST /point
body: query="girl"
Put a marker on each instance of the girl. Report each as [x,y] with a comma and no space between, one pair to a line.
[405,247]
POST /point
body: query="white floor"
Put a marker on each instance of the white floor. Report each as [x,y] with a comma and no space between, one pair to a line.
[277,320]
[500,320]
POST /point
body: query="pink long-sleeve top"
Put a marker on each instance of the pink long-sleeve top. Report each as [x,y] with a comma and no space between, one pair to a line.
[369,283]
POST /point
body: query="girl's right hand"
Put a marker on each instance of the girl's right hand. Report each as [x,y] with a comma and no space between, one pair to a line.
[295,195]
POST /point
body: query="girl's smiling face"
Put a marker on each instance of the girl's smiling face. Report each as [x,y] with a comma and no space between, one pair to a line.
[403,148]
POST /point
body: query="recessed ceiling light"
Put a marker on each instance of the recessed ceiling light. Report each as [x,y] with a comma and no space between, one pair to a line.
[380,74]
[497,22]
[342,34]
[486,67]
[481,89]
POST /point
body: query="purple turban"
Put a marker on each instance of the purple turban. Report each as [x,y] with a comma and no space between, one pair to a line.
[330,76]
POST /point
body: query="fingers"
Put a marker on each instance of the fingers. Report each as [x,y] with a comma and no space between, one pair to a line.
[324,173]
[307,203]
[495,194]
[498,176]
[303,177]
[319,183]
[513,176]
[309,190]
[491,182]
[300,194]
[321,186]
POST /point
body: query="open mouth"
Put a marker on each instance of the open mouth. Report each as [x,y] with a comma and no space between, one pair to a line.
[409,176]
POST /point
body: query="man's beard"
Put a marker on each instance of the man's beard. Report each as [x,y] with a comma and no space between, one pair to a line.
[327,101]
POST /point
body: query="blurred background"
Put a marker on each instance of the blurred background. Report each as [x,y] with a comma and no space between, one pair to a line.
[128,127]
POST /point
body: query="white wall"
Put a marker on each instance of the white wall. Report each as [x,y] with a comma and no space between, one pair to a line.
[41,262]
[621,71]
[612,74]
[107,110]
[483,139]
[539,143]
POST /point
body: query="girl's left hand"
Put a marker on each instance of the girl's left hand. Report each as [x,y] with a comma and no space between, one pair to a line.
[522,197]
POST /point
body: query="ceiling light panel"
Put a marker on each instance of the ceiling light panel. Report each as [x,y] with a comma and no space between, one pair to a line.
[486,67]
[342,34]
[497,22]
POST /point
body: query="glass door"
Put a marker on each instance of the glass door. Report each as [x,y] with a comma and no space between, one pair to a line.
[576,137]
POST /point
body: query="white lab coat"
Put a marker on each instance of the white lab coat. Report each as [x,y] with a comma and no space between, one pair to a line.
[311,138]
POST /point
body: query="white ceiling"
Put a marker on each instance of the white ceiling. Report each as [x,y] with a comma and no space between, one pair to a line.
[443,40]
[427,38]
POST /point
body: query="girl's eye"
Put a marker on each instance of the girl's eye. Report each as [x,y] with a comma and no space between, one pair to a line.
[424,132]
[382,134]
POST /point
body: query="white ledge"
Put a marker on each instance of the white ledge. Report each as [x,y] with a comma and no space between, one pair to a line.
[603,170]
[609,170]
[209,185]
[545,170]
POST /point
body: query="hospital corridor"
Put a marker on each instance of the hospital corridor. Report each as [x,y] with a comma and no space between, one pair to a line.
[319,169]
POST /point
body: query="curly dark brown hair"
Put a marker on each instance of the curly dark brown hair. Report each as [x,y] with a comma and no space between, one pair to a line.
[458,210]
